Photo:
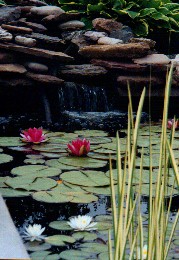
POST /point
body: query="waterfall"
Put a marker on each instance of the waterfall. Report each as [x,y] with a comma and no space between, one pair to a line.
[81,97]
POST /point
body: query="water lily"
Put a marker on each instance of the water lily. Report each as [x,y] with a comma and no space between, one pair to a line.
[34,232]
[33,135]
[79,147]
[144,253]
[81,223]
[171,123]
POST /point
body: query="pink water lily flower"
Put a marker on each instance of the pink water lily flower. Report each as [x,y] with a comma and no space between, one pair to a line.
[33,135]
[171,122]
[79,147]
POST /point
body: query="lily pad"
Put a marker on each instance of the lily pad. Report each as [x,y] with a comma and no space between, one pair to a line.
[2,181]
[60,225]
[89,133]
[34,184]
[56,164]
[73,254]
[41,255]
[105,151]
[60,240]
[84,236]
[36,171]
[10,141]
[7,192]
[37,246]
[34,161]
[63,193]
[85,178]
[5,158]
[94,248]
[82,162]
[99,190]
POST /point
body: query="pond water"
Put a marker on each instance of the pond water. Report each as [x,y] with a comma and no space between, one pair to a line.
[43,184]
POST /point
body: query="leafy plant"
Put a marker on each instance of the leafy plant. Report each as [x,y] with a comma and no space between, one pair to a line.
[128,226]
[142,15]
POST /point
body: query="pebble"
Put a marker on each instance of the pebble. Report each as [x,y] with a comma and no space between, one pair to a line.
[5,36]
[71,25]
[29,42]
[94,36]
[153,59]
[47,10]
[36,67]
[108,41]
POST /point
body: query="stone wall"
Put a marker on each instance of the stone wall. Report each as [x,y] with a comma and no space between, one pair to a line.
[42,46]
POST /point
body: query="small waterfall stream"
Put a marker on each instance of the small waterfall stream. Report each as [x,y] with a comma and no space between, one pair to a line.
[81,97]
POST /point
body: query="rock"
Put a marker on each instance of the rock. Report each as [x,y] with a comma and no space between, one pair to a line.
[26,2]
[12,68]
[6,57]
[106,25]
[130,50]
[36,67]
[108,41]
[82,71]
[71,25]
[50,19]
[40,53]
[25,9]
[140,80]
[77,38]
[48,40]
[34,26]
[124,34]
[45,79]
[29,42]
[94,36]
[8,14]
[47,10]
[153,59]
[150,42]
[121,66]
[176,60]
[20,82]
[18,29]
[5,36]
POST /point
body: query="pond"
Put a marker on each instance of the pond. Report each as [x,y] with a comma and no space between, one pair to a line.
[43,184]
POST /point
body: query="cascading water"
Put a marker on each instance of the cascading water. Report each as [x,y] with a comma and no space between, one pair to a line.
[81,97]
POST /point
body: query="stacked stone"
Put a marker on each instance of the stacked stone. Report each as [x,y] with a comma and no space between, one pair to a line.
[37,40]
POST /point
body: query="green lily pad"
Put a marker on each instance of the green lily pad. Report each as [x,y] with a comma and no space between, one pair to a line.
[73,254]
[34,156]
[63,193]
[82,162]
[10,141]
[56,164]
[37,246]
[94,248]
[85,178]
[105,151]
[41,255]
[103,256]
[60,225]
[99,190]
[34,161]
[34,184]
[50,148]
[60,240]
[36,171]
[89,133]
[1,150]
[7,192]
[145,190]
[5,158]
[99,156]
[104,218]
[84,236]
[2,182]
[53,155]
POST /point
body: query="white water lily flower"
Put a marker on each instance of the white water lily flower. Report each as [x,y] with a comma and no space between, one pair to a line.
[81,223]
[144,253]
[34,232]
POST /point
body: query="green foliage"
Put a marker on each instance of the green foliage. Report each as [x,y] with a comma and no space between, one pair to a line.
[141,15]
[2,2]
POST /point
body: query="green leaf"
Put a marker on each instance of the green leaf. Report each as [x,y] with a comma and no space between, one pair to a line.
[159,16]
[146,12]
[84,236]
[90,133]
[36,171]
[82,162]
[35,184]
[36,246]
[5,158]
[73,254]
[10,141]
[94,248]
[141,28]
[86,178]
[7,192]
[60,225]
[60,240]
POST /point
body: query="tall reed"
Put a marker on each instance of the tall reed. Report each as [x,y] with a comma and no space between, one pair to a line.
[126,202]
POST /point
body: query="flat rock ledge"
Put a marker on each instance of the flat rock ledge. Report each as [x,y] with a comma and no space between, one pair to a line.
[41,53]
[45,79]
[128,50]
